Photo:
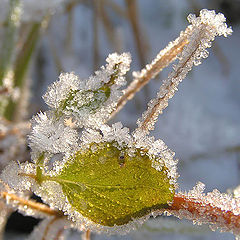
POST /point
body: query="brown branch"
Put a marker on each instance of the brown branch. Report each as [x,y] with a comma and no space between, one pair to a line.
[31,204]
[197,210]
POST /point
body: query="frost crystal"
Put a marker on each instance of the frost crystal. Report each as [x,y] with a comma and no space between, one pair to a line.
[51,228]
[219,210]
[51,136]
[91,101]
[200,34]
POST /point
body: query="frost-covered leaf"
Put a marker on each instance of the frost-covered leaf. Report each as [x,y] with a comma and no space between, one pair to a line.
[90,101]
[109,187]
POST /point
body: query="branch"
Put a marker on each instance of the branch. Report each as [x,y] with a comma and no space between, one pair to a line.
[201,210]
[30,203]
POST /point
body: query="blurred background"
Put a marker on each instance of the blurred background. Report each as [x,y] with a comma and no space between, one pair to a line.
[202,122]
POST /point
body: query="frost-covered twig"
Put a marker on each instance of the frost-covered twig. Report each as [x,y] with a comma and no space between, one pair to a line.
[200,34]
[162,60]
[30,204]
[216,209]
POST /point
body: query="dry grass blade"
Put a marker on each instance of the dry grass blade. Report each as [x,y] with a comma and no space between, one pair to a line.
[162,60]
[134,21]
[95,35]
[109,28]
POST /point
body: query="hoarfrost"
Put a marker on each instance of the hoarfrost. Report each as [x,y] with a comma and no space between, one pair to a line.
[90,101]
[219,210]
[51,136]
[11,176]
[51,228]
[200,34]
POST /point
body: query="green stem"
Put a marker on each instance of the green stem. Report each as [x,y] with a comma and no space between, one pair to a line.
[39,169]
[21,67]
[9,38]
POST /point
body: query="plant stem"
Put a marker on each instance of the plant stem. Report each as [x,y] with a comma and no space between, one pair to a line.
[86,235]
[197,210]
[31,204]
[162,60]
[9,39]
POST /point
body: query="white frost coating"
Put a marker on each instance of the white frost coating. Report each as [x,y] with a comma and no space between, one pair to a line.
[51,228]
[87,101]
[200,34]
[19,186]
[12,177]
[214,199]
[160,154]
[59,90]
[51,193]
[13,142]
[51,136]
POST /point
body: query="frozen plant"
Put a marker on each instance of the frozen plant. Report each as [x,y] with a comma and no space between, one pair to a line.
[101,178]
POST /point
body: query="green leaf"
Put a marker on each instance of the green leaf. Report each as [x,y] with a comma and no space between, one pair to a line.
[91,100]
[110,188]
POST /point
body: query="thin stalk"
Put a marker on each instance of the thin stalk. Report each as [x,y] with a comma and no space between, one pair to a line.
[31,204]
[132,10]
[9,39]
[95,35]
[109,27]
[133,17]
[86,235]
[21,66]
[162,60]
[198,210]
[162,101]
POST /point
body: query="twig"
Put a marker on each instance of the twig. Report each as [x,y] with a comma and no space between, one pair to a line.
[31,204]
[198,210]
[162,60]
[86,235]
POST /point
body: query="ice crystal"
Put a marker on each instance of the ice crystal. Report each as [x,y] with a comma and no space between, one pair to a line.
[18,182]
[50,228]
[209,206]
[105,178]
[200,34]
[51,136]
[89,102]
[13,142]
